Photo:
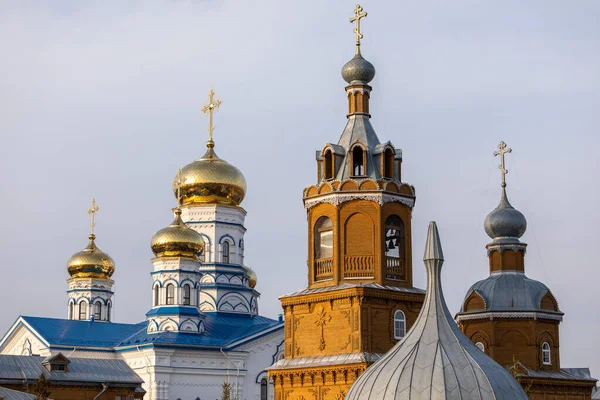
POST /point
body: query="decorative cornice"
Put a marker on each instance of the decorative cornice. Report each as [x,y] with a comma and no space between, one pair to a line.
[502,247]
[338,198]
[357,292]
[509,315]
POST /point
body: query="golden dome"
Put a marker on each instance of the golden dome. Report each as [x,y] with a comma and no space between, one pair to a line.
[177,240]
[251,277]
[91,262]
[211,180]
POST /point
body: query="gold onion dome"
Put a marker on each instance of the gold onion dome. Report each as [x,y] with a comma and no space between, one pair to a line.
[91,262]
[211,180]
[251,277]
[177,240]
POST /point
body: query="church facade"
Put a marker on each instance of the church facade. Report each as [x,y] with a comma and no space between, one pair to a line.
[360,300]
[203,328]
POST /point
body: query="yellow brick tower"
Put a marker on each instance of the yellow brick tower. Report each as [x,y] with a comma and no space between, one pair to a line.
[360,300]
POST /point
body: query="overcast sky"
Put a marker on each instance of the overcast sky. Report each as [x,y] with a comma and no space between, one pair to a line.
[102,99]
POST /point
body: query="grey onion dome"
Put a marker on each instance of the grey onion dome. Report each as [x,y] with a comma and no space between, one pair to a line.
[358,70]
[505,220]
[435,360]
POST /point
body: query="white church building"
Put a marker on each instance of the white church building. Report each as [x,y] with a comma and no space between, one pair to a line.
[203,328]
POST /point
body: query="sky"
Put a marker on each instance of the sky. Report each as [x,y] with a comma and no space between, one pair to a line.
[102,99]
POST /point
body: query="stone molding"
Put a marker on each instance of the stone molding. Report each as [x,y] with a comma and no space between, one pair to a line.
[338,198]
[509,315]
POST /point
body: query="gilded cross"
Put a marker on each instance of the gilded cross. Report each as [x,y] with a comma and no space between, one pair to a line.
[92,212]
[358,15]
[178,184]
[209,108]
[501,151]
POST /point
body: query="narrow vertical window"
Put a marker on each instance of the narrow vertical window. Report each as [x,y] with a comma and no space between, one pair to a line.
[83,306]
[97,311]
[358,162]
[394,239]
[323,238]
[399,325]
[108,311]
[328,165]
[186,295]
[264,389]
[546,360]
[70,310]
[170,294]
[225,252]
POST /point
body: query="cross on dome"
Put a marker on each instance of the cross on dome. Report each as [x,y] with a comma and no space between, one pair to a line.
[92,212]
[358,15]
[211,106]
[178,182]
[501,151]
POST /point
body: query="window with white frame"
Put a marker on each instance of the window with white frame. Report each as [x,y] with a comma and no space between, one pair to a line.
[546,360]
[83,306]
[186,295]
[225,252]
[170,294]
[399,325]
[98,311]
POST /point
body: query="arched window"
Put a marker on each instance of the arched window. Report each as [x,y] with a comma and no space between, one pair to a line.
[170,294]
[264,389]
[323,238]
[546,360]
[242,252]
[225,252]
[97,311]
[156,295]
[108,311]
[388,164]
[328,164]
[394,237]
[186,295]
[480,346]
[358,162]
[70,310]
[83,306]
[399,325]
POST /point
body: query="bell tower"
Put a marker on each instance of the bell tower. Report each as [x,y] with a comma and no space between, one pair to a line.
[360,300]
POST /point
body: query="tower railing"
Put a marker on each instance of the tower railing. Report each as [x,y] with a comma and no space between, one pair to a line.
[394,269]
[323,269]
[359,266]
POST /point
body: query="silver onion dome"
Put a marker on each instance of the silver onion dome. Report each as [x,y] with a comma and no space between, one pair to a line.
[358,70]
[505,221]
[435,360]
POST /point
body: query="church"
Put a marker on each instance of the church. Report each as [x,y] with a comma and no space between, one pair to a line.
[203,328]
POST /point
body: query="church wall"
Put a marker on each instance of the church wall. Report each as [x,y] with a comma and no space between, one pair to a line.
[23,342]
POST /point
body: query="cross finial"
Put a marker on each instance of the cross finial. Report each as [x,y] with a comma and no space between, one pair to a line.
[501,151]
[178,184]
[92,212]
[358,15]
[209,108]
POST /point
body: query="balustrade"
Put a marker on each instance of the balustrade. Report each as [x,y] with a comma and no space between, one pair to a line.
[394,269]
[323,269]
[359,267]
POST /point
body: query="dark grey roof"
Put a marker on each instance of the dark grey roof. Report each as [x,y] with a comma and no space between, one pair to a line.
[509,291]
[435,360]
[505,221]
[17,368]
[353,285]
[323,361]
[9,394]
[582,374]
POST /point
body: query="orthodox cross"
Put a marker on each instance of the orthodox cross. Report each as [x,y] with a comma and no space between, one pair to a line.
[178,187]
[92,212]
[209,108]
[501,151]
[358,15]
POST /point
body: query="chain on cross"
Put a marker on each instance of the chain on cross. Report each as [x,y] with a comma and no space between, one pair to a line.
[502,150]
[209,108]
[358,15]
[92,212]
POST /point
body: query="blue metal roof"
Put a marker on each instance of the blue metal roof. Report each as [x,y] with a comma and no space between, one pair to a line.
[64,332]
[221,330]
[174,310]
